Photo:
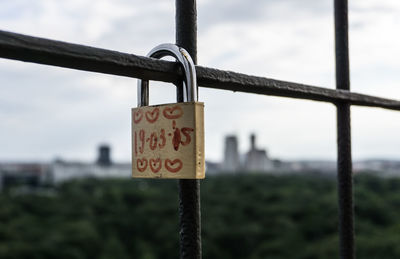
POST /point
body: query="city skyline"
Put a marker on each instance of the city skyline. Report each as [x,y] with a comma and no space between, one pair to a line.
[255,161]
[48,112]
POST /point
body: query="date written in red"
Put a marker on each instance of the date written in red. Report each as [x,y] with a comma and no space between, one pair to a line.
[154,140]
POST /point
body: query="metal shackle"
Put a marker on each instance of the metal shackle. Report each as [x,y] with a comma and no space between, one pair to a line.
[183,57]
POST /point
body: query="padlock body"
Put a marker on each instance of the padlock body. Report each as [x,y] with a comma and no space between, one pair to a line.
[168,141]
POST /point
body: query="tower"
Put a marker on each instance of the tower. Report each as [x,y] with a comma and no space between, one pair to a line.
[253,141]
[257,159]
[231,155]
[104,155]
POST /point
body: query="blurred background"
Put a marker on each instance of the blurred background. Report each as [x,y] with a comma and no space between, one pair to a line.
[66,147]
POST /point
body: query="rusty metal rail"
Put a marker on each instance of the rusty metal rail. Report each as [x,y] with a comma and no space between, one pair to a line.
[50,52]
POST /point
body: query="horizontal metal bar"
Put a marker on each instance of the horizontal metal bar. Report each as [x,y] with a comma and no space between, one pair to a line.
[56,53]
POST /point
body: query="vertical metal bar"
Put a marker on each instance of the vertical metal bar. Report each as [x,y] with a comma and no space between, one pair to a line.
[345,179]
[345,183]
[189,190]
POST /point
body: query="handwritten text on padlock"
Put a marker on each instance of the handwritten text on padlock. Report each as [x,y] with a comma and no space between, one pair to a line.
[159,136]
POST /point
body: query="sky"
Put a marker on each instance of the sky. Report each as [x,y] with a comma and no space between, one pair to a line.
[49,112]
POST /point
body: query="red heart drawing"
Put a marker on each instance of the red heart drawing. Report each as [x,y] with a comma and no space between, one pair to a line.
[137,116]
[155,164]
[152,116]
[173,113]
[141,164]
[174,165]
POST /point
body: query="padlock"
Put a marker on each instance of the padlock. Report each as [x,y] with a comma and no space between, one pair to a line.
[168,139]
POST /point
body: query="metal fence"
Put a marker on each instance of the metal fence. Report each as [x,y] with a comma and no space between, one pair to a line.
[56,53]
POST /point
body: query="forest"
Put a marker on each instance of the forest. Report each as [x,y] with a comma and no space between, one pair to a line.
[243,216]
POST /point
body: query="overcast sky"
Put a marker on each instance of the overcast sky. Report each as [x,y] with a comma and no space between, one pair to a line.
[48,112]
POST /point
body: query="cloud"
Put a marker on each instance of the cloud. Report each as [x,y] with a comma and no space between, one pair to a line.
[48,111]
[213,13]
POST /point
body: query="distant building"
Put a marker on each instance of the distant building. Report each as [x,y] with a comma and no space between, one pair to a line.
[28,174]
[212,167]
[231,161]
[104,158]
[312,166]
[257,159]
[103,168]
[381,167]
[39,174]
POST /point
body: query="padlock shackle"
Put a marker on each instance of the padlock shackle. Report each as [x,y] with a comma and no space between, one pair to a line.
[183,57]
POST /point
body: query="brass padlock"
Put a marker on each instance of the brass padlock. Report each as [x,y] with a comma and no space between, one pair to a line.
[168,139]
